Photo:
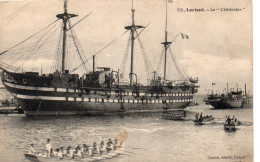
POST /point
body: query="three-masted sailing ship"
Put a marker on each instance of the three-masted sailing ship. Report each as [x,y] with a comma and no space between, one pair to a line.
[99,91]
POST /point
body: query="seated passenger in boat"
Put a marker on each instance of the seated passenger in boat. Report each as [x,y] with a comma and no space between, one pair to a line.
[70,152]
[55,152]
[201,117]
[184,113]
[95,148]
[88,151]
[110,146]
[236,121]
[78,152]
[31,150]
[116,145]
[63,151]
[232,122]
[110,141]
[84,148]
[102,147]
[59,153]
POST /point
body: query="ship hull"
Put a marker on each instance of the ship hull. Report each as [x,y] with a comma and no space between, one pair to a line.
[234,104]
[32,107]
[63,101]
[221,104]
[217,104]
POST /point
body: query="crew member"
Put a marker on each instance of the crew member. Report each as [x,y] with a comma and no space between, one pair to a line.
[49,148]
[31,150]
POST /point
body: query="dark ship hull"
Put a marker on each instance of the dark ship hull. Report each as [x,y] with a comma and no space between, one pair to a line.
[216,103]
[37,95]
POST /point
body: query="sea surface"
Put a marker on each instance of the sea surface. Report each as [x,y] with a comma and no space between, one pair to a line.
[150,138]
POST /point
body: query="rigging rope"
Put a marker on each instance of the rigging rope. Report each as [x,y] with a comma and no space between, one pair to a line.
[160,61]
[125,57]
[176,65]
[76,68]
[77,45]
[57,53]
[30,49]
[148,66]
[28,38]
[168,46]
[35,50]
[78,21]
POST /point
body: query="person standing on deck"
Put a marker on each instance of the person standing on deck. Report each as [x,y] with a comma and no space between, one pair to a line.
[228,120]
[48,148]
[197,116]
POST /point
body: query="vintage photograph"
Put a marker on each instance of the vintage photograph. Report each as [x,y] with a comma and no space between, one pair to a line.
[126,80]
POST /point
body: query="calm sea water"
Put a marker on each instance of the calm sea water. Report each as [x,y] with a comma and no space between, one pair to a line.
[150,138]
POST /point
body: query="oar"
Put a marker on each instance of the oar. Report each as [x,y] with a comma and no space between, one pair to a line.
[126,154]
[129,152]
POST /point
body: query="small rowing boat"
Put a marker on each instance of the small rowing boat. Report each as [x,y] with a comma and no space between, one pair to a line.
[229,126]
[203,120]
[174,115]
[104,156]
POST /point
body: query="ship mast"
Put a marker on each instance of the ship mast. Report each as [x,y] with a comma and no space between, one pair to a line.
[165,43]
[65,17]
[132,45]
[132,29]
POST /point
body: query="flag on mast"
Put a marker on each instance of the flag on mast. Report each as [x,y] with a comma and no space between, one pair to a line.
[184,36]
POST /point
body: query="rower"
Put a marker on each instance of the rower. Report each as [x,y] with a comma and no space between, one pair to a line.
[88,150]
[70,152]
[197,116]
[64,151]
[78,152]
[102,147]
[95,148]
[228,120]
[84,148]
[55,153]
[117,145]
[59,153]
[31,150]
[110,145]
[201,117]
[110,141]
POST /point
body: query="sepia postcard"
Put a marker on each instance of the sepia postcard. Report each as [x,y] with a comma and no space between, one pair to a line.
[126,80]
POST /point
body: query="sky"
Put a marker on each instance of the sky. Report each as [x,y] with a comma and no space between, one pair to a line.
[219,48]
